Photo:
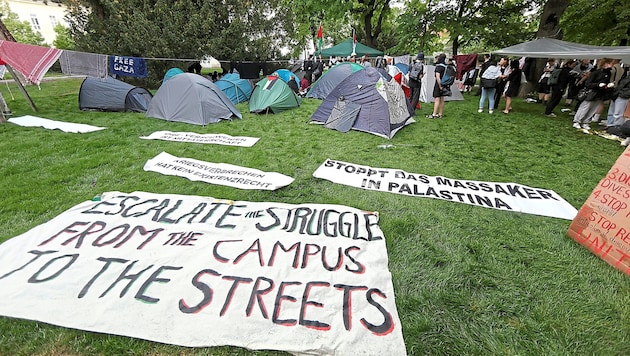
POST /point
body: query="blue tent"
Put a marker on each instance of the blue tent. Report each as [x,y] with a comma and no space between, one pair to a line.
[404,68]
[236,89]
[171,73]
[383,106]
[286,74]
[331,78]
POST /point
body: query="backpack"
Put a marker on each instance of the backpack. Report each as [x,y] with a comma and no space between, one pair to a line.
[555,75]
[449,75]
[416,70]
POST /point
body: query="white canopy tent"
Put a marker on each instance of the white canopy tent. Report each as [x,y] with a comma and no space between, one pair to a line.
[552,48]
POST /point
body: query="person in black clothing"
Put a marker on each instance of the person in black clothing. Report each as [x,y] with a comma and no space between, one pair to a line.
[293,84]
[308,68]
[601,89]
[416,73]
[557,90]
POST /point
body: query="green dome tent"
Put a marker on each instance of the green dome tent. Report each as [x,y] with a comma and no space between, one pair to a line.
[272,94]
[345,49]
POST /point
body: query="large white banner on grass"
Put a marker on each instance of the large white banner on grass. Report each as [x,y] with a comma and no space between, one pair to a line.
[34,121]
[197,271]
[217,139]
[502,196]
[217,173]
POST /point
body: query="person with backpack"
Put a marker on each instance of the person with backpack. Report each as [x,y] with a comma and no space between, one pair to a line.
[489,86]
[415,80]
[558,82]
[439,93]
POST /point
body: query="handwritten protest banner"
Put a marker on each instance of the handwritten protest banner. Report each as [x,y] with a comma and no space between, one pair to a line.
[216,173]
[603,223]
[191,137]
[198,271]
[502,196]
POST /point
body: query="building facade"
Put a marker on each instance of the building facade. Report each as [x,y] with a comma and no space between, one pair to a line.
[43,16]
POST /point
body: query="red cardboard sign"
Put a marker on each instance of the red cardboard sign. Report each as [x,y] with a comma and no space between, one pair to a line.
[603,223]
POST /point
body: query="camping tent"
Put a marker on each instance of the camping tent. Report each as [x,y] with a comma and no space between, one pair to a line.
[109,94]
[345,49]
[552,48]
[428,82]
[236,89]
[171,73]
[272,93]
[383,106]
[403,67]
[286,75]
[331,78]
[192,99]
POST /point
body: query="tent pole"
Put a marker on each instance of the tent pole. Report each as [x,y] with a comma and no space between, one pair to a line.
[15,79]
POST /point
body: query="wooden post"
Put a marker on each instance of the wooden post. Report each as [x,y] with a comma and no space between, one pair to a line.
[22,89]
[6,35]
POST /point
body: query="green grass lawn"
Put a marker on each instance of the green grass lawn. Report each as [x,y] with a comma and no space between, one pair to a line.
[468,280]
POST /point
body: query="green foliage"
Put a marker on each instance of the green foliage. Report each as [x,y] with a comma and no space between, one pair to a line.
[20,30]
[467,280]
[602,23]
[63,39]
[183,29]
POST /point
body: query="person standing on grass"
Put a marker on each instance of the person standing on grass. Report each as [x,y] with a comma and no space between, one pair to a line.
[416,73]
[438,94]
[482,68]
[600,89]
[543,87]
[502,81]
[513,85]
[557,90]
[487,93]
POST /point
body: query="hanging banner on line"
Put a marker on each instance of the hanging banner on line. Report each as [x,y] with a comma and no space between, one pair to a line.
[502,196]
[197,271]
[603,223]
[217,139]
[217,173]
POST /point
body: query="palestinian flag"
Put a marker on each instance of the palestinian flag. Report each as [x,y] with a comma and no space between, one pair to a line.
[320,38]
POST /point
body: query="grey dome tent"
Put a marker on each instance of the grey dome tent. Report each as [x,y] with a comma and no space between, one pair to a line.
[192,99]
[109,94]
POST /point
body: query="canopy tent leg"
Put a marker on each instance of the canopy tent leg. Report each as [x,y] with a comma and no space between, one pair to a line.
[22,89]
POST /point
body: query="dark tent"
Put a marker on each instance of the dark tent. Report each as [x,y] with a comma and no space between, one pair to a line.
[109,94]
[383,107]
[345,49]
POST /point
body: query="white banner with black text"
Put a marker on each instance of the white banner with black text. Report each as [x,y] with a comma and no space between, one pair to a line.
[198,271]
[502,196]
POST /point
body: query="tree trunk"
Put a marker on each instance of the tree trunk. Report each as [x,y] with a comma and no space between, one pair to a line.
[549,27]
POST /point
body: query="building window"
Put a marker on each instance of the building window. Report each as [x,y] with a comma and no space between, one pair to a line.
[35,22]
[53,21]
